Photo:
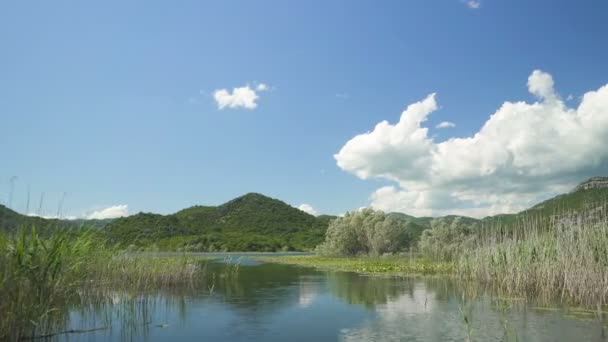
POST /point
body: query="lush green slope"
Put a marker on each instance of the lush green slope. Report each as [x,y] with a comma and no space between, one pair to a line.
[252,222]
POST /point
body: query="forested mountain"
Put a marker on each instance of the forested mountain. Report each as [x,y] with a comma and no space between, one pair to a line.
[255,222]
[250,222]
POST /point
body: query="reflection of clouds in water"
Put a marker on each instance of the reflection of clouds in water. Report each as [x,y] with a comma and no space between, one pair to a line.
[418,302]
[405,318]
[408,316]
[308,292]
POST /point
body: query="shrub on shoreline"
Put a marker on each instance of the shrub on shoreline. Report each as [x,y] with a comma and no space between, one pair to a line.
[365,232]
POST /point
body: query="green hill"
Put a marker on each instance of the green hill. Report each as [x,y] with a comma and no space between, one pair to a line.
[252,222]
[255,222]
[11,220]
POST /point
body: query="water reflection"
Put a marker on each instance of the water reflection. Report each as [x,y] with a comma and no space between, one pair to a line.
[268,302]
[308,290]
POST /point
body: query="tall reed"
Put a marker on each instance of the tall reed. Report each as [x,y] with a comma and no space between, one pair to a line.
[564,257]
[41,277]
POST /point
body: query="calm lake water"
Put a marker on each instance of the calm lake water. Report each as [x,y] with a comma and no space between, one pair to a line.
[269,302]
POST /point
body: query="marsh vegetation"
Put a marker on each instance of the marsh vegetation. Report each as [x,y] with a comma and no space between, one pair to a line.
[392,265]
[79,283]
[42,278]
[564,257]
[561,257]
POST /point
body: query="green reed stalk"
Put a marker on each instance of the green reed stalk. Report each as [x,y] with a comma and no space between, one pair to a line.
[41,277]
[565,258]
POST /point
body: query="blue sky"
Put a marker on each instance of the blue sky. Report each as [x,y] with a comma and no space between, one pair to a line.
[113,103]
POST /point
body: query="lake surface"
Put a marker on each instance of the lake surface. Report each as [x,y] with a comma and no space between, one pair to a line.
[270,302]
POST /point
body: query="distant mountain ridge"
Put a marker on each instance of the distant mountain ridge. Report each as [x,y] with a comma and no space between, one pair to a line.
[254,222]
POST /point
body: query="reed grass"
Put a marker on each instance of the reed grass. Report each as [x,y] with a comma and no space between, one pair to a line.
[564,258]
[41,277]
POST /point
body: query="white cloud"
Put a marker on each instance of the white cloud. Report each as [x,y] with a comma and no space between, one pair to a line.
[474,4]
[262,87]
[523,153]
[241,97]
[307,208]
[541,84]
[445,124]
[107,213]
[51,217]
[110,212]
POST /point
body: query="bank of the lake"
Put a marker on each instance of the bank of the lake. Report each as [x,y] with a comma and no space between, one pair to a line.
[392,265]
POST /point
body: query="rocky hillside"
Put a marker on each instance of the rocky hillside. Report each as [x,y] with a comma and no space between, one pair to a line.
[592,183]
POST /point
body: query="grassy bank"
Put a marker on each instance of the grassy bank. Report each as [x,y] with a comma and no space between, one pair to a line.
[41,278]
[373,265]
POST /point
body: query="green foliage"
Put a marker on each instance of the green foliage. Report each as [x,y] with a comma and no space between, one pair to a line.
[447,237]
[34,273]
[257,223]
[366,232]
[249,223]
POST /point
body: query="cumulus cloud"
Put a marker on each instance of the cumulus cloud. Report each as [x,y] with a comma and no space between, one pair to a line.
[524,152]
[445,124]
[241,97]
[307,208]
[110,212]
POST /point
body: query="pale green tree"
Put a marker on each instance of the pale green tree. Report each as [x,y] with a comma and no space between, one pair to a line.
[365,232]
[447,237]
